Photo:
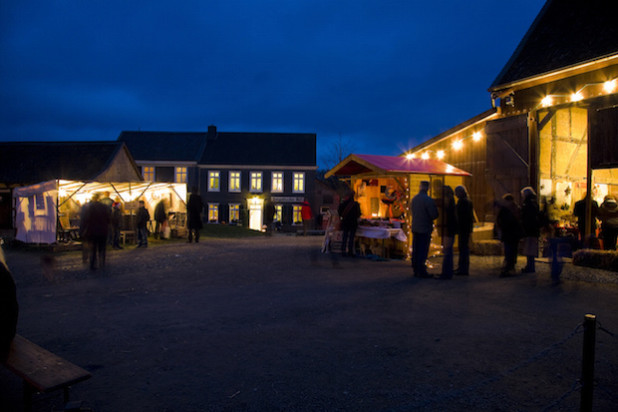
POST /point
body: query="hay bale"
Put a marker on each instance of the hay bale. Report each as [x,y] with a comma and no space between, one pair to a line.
[600,259]
[491,247]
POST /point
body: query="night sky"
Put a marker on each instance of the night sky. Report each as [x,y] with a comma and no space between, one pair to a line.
[381,76]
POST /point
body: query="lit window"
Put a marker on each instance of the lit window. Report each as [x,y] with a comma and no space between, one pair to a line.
[213,180]
[234,212]
[180,175]
[255,184]
[278,213]
[148,173]
[234,182]
[296,214]
[277,185]
[213,212]
[299,183]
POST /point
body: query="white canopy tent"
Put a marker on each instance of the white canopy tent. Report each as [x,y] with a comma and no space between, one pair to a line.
[42,209]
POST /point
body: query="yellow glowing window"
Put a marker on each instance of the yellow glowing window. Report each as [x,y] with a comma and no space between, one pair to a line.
[234,212]
[180,175]
[255,182]
[234,182]
[296,214]
[213,180]
[277,184]
[298,183]
[278,212]
[213,212]
[148,173]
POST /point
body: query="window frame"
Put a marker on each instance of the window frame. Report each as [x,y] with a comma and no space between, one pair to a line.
[234,208]
[253,189]
[295,179]
[148,173]
[232,179]
[182,172]
[214,208]
[277,177]
[211,174]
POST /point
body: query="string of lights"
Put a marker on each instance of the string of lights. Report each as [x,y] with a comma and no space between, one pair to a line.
[456,145]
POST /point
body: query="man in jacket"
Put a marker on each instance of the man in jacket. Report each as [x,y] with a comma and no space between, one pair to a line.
[424,212]
[349,212]
[143,217]
[194,215]
[465,226]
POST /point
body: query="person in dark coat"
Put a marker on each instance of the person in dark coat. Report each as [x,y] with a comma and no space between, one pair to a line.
[194,215]
[160,217]
[349,213]
[465,226]
[142,219]
[9,309]
[116,224]
[580,210]
[450,230]
[509,225]
[424,212]
[269,216]
[97,224]
[531,225]
[608,213]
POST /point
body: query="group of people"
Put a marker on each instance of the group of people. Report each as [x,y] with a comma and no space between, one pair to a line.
[458,222]
[607,213]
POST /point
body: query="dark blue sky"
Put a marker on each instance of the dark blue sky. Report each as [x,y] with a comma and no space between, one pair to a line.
[385,75]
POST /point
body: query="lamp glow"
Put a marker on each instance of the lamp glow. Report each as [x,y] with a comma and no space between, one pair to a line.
[440,154]
[476,136]
[457,144]
[577,96]
[547,101]
[609,86]
[425,156]
[410,156]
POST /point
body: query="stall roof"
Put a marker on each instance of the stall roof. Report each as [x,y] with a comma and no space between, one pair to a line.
[356,164]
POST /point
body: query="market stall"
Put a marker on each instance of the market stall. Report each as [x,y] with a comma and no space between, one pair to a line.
[384,186]
[49,212]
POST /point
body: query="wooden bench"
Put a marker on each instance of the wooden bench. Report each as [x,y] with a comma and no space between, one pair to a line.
[41,370]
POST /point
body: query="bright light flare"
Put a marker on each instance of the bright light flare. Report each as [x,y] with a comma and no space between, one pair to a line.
[609,86]
[425,156]
[457,144]
[476,136]
[440,154]
[410,156]
[547,101]
[577,96]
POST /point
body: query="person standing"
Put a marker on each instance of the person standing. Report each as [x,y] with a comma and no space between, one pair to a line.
[143,217]
[269,216]
[349,212]
[450,230]
[116,224]
[194,215]
[97,224]
[307,216]
[465,226]
[424,212]
[509,225]
[579,211]
[608,213]
[160,217]
[531,225]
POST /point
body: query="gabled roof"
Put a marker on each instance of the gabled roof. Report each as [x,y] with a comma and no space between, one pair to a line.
[164,146]
[254,149]
[356,164]
[565,33]
[34,162]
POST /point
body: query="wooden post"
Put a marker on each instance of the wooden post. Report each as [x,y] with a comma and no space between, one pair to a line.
[587,380]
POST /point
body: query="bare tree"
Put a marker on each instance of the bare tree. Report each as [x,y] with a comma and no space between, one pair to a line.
[337,151]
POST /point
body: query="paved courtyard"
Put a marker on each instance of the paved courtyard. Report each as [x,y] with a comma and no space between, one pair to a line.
[271,324]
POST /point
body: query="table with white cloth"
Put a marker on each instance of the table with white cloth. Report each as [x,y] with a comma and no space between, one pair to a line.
[381,241]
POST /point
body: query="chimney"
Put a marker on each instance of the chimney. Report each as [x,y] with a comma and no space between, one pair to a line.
[212,132]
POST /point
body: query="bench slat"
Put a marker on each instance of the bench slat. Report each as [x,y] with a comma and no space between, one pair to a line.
[43,370]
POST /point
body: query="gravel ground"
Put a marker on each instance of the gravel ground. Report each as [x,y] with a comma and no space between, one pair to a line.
[271,324]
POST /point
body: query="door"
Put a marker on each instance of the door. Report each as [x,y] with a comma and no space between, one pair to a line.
[255,207]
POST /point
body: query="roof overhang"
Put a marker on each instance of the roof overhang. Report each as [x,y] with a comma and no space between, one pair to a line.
[358,164]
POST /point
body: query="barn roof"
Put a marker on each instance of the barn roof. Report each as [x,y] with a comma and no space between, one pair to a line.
[565,33]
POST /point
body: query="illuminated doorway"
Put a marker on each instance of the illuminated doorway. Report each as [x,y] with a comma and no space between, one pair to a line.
[255,206]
